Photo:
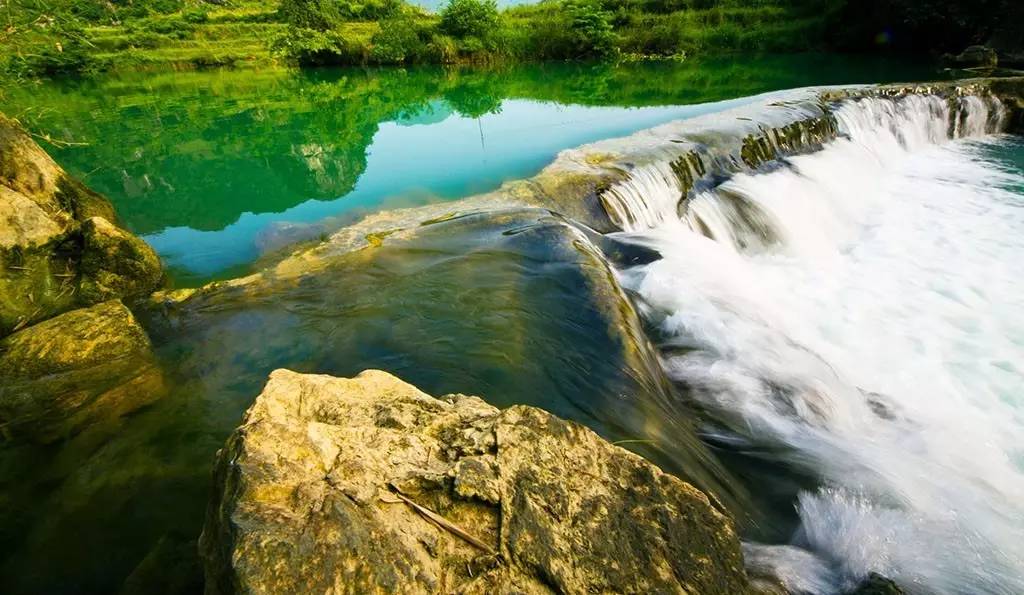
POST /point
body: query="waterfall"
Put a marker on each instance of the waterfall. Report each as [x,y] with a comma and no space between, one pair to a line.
[653,192]
[862,309]
[647,198]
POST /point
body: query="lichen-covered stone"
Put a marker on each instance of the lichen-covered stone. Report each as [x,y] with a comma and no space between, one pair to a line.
[77,368]
[307,500]
[115,263]
[43,214]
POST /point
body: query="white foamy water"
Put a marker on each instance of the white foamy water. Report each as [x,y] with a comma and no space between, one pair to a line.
[864,308]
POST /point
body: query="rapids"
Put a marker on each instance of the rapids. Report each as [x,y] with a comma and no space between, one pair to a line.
[860,310]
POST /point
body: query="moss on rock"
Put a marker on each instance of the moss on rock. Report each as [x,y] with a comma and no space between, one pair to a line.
[75,369]
[305,501]
[115,263]
[58,247]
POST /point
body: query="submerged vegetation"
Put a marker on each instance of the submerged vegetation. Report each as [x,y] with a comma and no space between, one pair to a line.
[81,36]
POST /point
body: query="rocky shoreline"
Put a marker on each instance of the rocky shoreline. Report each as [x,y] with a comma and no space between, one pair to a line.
[70,351]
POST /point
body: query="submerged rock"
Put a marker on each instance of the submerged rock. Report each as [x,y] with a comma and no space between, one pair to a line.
[975,56]
[516,304]
[75,369]
[876,584]
[367,485]
[58,247]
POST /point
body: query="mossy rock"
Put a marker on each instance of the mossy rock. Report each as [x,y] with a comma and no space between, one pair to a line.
[305,501]
[115,263]
[58,246]
[75,369]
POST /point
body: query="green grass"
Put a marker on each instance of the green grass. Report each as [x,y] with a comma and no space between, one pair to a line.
[242,34]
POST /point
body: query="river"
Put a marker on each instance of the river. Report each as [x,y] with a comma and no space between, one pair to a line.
[831,343]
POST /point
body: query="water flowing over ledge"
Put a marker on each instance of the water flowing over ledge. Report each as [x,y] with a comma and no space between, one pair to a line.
[857,309]
[633,182]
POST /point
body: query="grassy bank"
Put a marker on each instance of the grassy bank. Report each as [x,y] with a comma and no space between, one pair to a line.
[53,37]
[72,36]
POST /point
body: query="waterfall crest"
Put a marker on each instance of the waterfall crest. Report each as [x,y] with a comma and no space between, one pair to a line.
[654,192]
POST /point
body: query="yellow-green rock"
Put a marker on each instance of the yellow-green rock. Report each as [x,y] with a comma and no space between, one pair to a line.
[81,367]
[307,500]
[115,263]
[58,246]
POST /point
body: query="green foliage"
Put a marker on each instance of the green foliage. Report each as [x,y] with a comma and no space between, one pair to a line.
[399,40]
[322,15]
[469,18]
[195,16]
[56,37]
[317,15]
[48,46]
[591,30]
[310,47]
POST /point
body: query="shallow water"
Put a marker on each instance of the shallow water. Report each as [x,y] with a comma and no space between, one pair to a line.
[856,315]
[215,168]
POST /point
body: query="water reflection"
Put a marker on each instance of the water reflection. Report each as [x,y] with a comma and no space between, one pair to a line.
[206,165]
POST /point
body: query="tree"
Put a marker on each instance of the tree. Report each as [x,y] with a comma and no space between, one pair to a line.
[591,29]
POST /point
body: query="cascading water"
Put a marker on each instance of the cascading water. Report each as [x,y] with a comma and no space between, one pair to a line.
[647,198]
[863,309]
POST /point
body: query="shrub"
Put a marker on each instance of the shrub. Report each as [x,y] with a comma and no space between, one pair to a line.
[398,40]
[310,47]
[322,15]
[591,27]
[470,18]
[60,49]
[318,15]
[195,16]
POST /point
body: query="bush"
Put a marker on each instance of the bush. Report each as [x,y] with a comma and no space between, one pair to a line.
[321,15]
[59,50]
[318,15]
[170,25]
[196,16]
[398,40]
[470,18]
[309,47]
[591,27]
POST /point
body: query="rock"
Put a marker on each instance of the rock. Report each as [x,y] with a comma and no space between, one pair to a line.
[307,492]
[78,368]
[115,263]
[975,56]
[515,304]
[42,215]
[876,584]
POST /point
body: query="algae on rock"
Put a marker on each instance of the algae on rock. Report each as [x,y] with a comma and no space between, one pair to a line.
[305,501]
[58,247]
[76,369]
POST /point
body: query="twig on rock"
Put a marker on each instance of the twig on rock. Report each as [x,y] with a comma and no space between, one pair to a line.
[444,523]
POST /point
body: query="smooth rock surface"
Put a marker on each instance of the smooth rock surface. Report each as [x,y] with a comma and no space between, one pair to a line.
[305,501]
[77,368]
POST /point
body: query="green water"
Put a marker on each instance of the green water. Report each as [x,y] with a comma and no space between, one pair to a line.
[514,306]
[213,167]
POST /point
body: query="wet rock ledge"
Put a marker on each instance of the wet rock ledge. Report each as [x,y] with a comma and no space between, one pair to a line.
[367,485]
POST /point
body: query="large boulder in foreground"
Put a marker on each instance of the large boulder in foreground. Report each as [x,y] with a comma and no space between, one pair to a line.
[76,369]
[58,246]
[367,485]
